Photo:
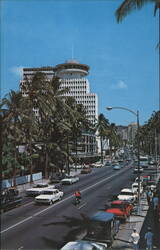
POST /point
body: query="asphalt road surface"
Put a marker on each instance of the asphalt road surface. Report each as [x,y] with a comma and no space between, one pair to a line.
[38,227]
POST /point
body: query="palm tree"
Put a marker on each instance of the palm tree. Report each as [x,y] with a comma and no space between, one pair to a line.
[12,129]
[102,128]
[34,100]
[128,6]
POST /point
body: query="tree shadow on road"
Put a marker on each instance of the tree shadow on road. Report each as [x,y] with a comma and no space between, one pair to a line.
[78,228]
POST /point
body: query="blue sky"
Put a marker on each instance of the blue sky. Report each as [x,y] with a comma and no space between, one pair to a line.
[123,59]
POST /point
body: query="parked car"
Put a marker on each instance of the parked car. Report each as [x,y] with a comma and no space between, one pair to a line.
[37,189]
[135,188]
[49,196]
[7,204]
[127,194]
[101,228]
[9,199]
[70,180]
[121,209]
[117,167]
[152,185]
[84,245]
[86,170]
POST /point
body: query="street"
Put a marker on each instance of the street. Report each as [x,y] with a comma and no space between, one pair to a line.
[50,227]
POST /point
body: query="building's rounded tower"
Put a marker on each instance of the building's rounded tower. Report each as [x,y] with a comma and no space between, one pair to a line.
[71,69]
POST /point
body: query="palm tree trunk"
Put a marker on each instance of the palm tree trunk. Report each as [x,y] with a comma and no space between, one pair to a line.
[14,168]
[68,169]
[31,163]
[101,149]
[46,165]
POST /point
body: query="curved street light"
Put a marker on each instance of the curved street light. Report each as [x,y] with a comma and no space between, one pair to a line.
[138,146]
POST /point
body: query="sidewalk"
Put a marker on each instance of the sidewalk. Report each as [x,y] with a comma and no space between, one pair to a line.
[123,238]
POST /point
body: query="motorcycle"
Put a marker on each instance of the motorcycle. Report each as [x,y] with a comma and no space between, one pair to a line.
[77,200]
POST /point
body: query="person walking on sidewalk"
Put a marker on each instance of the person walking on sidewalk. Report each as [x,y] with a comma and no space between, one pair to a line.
[135,238]
[149,196]
[149,239]
[155,202]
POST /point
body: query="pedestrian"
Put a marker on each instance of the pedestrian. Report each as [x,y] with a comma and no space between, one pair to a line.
[149,196]
[155,201]
[149,239]
[135,238]
[117,224]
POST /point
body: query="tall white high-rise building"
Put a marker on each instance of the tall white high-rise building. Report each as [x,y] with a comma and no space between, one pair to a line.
[72,75]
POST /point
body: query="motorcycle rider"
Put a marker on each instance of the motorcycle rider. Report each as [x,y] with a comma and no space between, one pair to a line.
[77,195]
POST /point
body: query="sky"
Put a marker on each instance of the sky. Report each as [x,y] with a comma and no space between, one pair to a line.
[123,59]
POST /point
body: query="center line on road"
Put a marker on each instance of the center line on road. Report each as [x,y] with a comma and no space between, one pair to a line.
[82,205]
[54,205]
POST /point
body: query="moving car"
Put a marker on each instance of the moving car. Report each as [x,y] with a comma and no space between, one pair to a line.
[127,194]
[84,245]
[135,188]
[49,196]
[117,167]
[136,170]
[121,209]
[86,170]
[37,189]
[77,167]
[97,165]
[70,180]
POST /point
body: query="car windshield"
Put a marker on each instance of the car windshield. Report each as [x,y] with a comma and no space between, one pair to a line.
[126,193]
[151,183]
[40,185]
[120,206]
[48,192]
[135,186]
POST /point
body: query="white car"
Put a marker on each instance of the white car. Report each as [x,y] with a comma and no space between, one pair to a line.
[70,180]
[127,194]
[37,189]
[98,165]
[136,170]
[84,245]
[77,167]
[49,196]
[135,188]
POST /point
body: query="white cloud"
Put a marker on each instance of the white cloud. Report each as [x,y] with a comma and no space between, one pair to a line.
[119,85]
[17,70]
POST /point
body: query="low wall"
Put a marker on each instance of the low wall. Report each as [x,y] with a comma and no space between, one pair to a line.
[21,180]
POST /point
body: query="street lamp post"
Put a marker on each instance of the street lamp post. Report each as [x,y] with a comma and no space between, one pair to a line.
[138,146]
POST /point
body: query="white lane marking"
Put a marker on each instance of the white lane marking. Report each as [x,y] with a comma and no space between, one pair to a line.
[82,205]
[20,248]
[27,204]
[54,205]
[16,224]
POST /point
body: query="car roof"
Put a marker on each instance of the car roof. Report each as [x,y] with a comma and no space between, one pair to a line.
[119,202]
[126,190]
[51,189]
[79,245]
[102,216]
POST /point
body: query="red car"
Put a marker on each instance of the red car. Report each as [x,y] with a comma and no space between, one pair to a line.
[122,209]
